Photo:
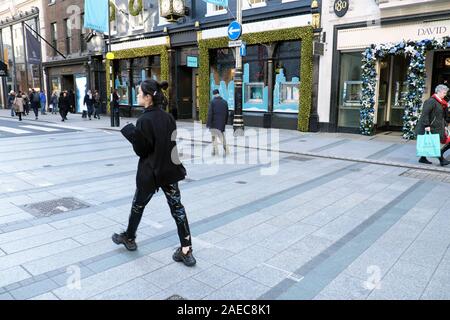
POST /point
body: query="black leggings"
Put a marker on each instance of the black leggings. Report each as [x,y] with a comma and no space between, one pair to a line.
[172,193]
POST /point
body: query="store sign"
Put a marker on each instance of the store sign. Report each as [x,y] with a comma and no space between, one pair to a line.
[341,7]
[363,37]
[192,62]
[3,69]
[432,31]
[235,44]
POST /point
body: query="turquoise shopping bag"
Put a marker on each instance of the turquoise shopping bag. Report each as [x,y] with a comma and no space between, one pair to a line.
[429,145]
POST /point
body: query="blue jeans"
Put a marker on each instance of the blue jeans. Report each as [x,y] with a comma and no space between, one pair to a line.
[43,107]
[13,113]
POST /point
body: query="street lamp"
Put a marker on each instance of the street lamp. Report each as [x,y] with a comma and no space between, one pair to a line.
[238,121]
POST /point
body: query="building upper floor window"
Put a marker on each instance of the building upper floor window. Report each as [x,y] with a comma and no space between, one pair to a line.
[249,4]
[68,24]
[213,10]
[54,36]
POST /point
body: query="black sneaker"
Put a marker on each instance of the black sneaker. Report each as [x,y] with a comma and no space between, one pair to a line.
[424,161]
[188,259]
[122,238]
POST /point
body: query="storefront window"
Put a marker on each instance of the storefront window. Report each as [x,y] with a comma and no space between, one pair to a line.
[122,81]
[56,85]
[19,55]
[140,69]
[287,77]
[222,73]
[350,90]
[144,68]
[8,58]
[399,87]
[256,93]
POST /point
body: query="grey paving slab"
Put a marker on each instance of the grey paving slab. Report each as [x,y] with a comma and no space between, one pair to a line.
[216,276]
[109,279]
[239,289]
[13,275]
[6,296]
[345,287]
[39,240]
[137,289]
[173,273]
[34,289]
[405,281]
[190,289]
[66,277]
[46,297]
[439,286]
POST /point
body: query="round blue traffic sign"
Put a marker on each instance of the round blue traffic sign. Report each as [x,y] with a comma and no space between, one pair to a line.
[234,31]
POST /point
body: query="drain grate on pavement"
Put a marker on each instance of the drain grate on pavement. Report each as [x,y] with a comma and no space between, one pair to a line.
[53,207]
[427,175]
[176,297]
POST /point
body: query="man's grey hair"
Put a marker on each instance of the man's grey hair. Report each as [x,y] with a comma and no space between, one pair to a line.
[441,87]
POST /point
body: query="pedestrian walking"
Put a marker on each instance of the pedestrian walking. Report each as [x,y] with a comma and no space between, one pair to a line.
[26,104]
[159,167]
[64,105]
[217,121]
[54,103]
[97,105]
[89,103]
[18,104]
[433,119]
[43,100]
[72,101]
[35,101]
[11,98]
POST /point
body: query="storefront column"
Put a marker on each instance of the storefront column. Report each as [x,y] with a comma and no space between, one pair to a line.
[314,117]
[172,79]
[270,84]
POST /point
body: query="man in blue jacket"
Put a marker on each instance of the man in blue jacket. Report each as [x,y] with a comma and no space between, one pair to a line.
[217,120]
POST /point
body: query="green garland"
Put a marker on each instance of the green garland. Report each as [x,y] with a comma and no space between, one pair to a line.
[112,16]
[135,12]
[160,50]
[305,34]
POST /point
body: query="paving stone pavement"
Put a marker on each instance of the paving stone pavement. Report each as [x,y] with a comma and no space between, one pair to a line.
[346,217]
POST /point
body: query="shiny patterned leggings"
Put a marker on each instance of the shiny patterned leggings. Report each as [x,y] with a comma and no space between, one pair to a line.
[172,193]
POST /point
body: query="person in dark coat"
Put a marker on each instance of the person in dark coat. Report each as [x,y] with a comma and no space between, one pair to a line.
[97,105]
[433,119]
[11,98]
[217,121]
[89,102]
[64,105]
[159,167]
[72,101]
[35,101]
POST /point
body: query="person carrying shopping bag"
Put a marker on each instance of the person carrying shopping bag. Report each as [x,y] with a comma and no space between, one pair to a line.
[18,104]
[433,121]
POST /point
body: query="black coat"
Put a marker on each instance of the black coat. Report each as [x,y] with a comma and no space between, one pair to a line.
[88,101]
[434,116]
[154,143]
[64,103]
[218,114]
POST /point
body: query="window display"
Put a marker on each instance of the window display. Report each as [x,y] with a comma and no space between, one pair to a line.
[286,93]
[352,94]
[350,90]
